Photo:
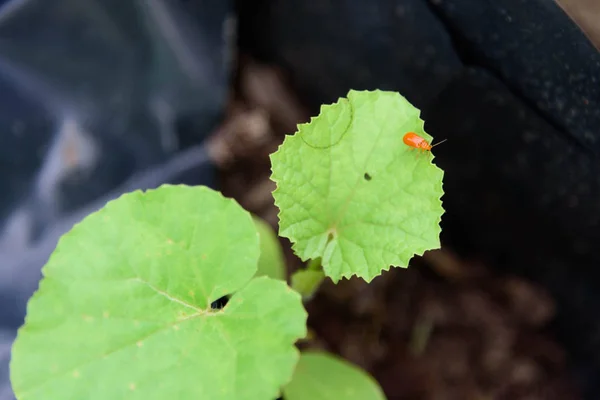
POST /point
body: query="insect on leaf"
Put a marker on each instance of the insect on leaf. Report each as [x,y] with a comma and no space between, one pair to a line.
[350,191]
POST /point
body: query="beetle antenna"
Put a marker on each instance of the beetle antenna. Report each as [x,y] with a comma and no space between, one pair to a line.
[438,143]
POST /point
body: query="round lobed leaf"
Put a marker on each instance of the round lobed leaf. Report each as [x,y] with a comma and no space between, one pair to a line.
[321,376]
[123,310]
[350,191]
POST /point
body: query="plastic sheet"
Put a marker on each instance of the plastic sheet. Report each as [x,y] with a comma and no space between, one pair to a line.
[97,98]
[6,339]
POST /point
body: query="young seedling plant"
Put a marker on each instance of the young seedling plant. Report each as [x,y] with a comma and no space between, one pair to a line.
[178,293]
[353,197]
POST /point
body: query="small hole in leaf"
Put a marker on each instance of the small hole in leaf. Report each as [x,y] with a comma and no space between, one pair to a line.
[367,177]
[219,303]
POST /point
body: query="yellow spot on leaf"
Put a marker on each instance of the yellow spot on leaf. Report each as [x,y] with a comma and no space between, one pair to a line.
[106,314]
[176,327]
[88,318]
[76,374]
[132,386]
[140,344]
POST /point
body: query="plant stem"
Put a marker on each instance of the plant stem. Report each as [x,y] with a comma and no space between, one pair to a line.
[307,280]
[314,265]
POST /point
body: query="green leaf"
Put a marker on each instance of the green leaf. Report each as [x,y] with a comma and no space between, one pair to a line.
[321,376]
[350,191]
[124,308]
[307,281]
[271,262]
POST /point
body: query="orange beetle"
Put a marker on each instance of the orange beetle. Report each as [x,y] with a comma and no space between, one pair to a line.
[415,141]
